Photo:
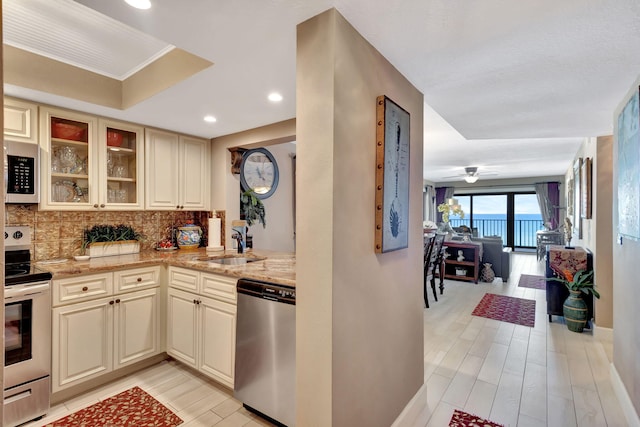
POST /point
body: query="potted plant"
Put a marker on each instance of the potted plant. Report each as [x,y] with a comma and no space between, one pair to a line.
[106,239]
[252,209]
[574,308]
[450,207]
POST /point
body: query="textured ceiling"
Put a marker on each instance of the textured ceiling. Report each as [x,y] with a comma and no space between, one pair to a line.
[69,32]
[495,73]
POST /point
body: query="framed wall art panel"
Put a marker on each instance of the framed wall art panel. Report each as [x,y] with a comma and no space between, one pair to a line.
[628,138]
[392,176]
[577,197]
[585,178]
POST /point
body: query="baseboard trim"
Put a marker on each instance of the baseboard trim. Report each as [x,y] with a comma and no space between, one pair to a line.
[603,334]
[407,416]
[623,397]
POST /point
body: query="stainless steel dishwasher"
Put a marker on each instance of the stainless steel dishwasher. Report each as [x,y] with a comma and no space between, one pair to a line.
[266,349]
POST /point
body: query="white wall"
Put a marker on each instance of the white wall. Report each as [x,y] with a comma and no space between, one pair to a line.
[626,316]
[359,315]
[597,234]
[225,186]
[278,234]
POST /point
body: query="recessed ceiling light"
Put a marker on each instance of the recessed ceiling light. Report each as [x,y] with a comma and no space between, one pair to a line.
[210,119]
[139,4]
[275,97]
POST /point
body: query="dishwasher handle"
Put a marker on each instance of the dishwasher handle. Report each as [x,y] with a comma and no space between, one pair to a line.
[266,290]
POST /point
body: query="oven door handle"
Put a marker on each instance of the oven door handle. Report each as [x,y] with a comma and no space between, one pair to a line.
[28,290]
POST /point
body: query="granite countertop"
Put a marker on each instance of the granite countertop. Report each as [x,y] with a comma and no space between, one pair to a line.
[277,267]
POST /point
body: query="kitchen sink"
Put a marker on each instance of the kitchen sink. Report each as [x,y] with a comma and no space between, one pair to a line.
[231,259]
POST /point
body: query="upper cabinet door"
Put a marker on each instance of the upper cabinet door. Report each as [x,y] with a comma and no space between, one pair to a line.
[161,169]
[69,175]
[194,162]
[121,161]
[177,171]
[20,121]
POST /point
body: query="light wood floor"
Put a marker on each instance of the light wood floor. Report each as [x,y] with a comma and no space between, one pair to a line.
[510,374]
[196,400]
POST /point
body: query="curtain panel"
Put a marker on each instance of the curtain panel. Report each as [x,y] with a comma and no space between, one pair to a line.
[429,203]
[548,194]
[442,194]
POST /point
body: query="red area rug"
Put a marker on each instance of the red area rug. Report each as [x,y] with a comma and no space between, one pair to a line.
[507,309]
[131,408]
[463,419]
[530,281]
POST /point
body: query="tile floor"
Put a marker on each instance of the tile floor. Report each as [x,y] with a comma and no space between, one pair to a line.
[510,374]
[196,400]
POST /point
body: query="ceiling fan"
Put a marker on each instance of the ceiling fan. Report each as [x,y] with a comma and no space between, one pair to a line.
[471,174]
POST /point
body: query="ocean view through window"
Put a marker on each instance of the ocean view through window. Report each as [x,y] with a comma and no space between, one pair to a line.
[513,216]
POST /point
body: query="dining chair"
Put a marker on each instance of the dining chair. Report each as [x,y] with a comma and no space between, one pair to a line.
[429,242]
[439,263]
[435,263]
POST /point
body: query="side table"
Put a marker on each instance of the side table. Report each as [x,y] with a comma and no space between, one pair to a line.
[560,258]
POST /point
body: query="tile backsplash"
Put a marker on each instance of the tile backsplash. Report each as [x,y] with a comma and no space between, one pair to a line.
[58,234]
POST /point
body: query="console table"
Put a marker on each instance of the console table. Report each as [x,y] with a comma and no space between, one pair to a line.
[453,269]
[544,238]
[560,258]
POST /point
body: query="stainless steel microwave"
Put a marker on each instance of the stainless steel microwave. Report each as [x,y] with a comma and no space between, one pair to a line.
[21,172]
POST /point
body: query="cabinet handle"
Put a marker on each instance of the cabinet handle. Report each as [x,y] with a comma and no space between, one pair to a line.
[85,289]
[139,279]
[118,301]
[111,302]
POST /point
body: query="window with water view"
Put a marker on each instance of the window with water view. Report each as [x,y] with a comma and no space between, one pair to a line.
[513,216]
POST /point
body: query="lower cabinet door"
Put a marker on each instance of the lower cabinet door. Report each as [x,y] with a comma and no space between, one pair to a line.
[136,326]
[82,344]
[217,340]
[182,326]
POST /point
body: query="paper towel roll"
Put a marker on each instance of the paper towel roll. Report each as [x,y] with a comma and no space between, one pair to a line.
[214,234]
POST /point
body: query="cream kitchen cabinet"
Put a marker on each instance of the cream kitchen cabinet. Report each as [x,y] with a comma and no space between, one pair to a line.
[69,159]
[201,330]
[20,121]
[96,336]
[177,171]
[121,165]
[90,163]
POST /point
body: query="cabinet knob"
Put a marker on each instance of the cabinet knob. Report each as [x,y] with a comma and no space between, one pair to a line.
[118,301]
[178,207]
[195,301]
[139,279]
[111,302]
[85,289]
[102,205]
[95,206]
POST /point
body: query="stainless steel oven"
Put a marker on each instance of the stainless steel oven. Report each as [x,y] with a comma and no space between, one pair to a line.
[27,332]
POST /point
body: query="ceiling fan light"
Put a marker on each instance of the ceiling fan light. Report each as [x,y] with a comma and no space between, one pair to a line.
[470,179]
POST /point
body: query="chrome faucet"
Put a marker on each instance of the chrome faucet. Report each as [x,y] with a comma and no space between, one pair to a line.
[238,236]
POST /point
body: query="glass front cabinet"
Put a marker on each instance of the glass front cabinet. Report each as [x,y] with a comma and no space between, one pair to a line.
[90,163]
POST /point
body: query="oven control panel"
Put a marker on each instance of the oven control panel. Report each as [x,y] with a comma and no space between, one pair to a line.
[17,235]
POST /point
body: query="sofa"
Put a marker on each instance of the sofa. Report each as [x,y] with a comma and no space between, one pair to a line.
[493,253]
